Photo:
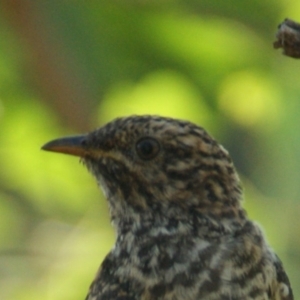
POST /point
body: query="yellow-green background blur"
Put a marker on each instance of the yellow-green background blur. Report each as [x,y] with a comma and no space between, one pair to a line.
[67,67]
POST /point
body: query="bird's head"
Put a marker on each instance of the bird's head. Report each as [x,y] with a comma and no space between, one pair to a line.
[156,167]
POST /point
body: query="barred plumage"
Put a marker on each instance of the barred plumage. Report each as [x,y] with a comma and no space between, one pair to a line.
[175,201]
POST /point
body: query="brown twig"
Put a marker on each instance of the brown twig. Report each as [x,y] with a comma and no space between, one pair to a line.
[288,38]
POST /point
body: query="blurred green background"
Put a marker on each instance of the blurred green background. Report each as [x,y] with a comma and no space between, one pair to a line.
[67,67]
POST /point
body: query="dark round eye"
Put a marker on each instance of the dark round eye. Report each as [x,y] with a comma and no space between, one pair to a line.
[147,148]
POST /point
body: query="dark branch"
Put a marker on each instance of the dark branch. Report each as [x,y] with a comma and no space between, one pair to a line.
[288,38]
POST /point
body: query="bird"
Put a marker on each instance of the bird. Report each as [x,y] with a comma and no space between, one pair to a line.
[175,201]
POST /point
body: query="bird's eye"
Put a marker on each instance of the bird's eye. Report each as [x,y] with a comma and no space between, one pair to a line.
[147,148]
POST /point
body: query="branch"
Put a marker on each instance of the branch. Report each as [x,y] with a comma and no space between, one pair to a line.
[288,38]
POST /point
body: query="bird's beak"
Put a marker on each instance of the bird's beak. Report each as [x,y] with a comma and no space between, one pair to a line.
[73,145]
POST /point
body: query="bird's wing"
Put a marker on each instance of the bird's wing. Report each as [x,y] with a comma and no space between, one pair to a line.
[248,269]
[282,288]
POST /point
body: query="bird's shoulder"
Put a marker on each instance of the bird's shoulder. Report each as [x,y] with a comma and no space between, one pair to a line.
[237,266]
[282,286]
[252,263]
